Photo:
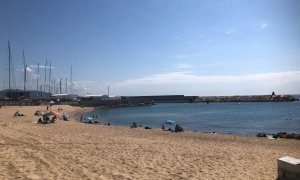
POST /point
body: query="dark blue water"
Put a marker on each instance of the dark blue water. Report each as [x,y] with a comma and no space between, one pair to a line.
[235,118]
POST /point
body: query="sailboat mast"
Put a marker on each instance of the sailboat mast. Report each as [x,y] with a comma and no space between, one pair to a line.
[45,79]
[37,80]
[66,85]
[50,78]
[25,69]
[60,86]
[54,86]
[71,83]
[9,68]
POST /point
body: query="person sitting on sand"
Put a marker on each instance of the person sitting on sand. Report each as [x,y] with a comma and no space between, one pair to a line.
[37,113]
[178,128]
[162,127]
[45,119]
[40,121]
[134,125]
[53,119]
[18,114]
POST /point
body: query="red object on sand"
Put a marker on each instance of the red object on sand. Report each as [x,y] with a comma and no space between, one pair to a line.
[55,113]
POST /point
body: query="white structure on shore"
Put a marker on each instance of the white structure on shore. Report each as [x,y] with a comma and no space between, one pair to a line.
[102,97]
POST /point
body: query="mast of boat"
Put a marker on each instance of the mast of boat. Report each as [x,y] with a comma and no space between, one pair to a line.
[60,86]
[45,79]
[9,68]
[71,80]
[66,85]
[108,91]
[37,81]
[49,78]
[25,70]
[54,86]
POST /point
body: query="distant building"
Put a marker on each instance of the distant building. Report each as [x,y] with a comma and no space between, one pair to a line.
[101,97]
[64,97]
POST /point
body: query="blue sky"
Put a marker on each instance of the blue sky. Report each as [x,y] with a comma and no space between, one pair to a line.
[153,47]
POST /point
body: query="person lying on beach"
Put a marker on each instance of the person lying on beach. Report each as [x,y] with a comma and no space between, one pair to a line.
[18,114]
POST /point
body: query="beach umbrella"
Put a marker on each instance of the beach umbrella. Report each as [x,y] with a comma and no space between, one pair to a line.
[88,119]
[170,122]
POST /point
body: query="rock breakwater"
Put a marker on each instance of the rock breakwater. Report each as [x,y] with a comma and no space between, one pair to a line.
[256,98]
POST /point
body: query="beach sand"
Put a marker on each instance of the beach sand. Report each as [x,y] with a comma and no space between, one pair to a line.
[73,150]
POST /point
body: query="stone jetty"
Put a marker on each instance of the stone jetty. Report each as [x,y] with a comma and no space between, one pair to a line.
[254,98]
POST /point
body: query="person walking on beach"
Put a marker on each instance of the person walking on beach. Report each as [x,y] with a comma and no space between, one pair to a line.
[81,118]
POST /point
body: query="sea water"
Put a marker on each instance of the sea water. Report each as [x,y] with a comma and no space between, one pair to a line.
[236,118]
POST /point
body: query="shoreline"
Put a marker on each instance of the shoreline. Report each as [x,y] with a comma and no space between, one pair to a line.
[114,117]
[73,150]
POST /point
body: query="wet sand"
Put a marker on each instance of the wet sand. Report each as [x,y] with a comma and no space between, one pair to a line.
[73,150]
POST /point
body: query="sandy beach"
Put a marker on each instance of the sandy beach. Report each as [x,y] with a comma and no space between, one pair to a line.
[73,150]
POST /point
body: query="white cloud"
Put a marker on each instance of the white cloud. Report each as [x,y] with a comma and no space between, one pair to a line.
[41,66]
[263,26]
[190,83]
[211,65]
[163,78]
[183,66]
[230,31]
[28,69]
[88,87]
[183,56]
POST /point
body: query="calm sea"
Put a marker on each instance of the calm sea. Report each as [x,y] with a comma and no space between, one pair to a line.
[235,118]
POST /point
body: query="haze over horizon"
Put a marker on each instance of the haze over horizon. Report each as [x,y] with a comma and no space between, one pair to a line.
[155,47]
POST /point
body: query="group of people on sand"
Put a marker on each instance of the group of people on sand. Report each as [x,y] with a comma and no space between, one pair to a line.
[134,125]
[46,120]
[178,128]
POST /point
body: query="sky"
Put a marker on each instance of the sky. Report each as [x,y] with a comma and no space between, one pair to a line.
[155,47]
